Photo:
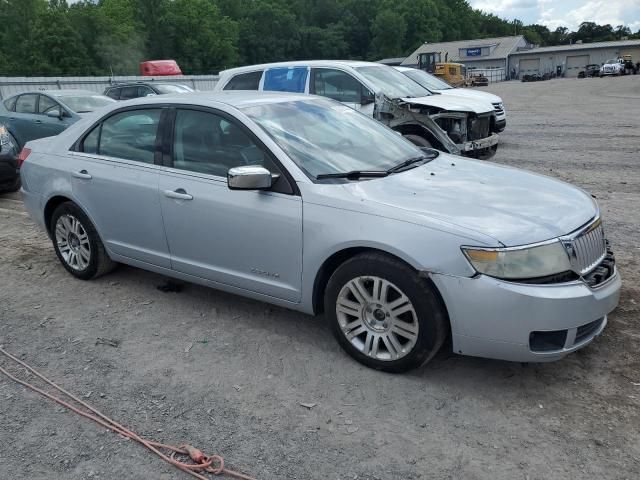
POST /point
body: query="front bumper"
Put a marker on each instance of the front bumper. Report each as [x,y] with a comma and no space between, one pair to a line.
[501,124]
[497,319]
[9,172]
[480,145]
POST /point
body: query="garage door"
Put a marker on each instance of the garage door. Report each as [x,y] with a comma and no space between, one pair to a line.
[529,66]
[576,64]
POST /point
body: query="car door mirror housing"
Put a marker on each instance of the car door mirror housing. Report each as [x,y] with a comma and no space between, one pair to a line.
[249,177]
[367,98]
[55,114]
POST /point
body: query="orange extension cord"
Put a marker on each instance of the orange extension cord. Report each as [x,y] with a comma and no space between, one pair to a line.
[213,464]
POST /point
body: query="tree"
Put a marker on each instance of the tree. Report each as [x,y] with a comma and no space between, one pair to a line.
[388,33]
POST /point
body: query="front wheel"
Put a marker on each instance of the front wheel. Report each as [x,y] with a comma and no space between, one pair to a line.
[77,243]
[383,314]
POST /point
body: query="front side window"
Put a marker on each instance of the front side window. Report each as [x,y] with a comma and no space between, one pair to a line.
[130,135]
[245,81]
[336,84]
[208,143]
[143,91]
[46,104]
[26,103]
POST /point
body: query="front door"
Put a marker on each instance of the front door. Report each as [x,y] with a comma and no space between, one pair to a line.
[246,239]
[50,126]
[115,179]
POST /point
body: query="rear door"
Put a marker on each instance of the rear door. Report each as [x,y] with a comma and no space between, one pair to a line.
[115,179]
[246,239]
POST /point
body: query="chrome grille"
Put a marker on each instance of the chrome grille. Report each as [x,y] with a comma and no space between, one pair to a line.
[588,248]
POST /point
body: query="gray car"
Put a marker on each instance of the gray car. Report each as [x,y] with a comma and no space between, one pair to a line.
[305,203]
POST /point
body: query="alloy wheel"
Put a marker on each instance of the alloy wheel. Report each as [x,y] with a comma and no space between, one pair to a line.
[377,318]
[73,242]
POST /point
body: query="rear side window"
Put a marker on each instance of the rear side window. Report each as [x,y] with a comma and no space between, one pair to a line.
[286,79]
[128,92]
[26,103]
[245,81]
[113,93]
[130,135]
[10,103]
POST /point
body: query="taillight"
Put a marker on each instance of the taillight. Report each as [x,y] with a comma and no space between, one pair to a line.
[24,153]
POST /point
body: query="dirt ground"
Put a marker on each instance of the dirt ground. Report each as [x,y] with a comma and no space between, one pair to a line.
[228,374]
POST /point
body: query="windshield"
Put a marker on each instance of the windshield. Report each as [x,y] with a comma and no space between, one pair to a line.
[615,60]
[173,88]
[85,103]
[324,137]
[392,83]
[426,80]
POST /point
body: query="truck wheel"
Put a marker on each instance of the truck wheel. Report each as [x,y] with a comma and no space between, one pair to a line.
[383,314]
[418,140]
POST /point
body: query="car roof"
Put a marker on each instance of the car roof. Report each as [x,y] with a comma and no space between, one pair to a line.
[60,93]
[142,82]
[233,98]
[302,63]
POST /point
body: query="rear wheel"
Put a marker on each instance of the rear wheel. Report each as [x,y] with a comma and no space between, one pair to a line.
[418,140]
[77,243]
[383,314]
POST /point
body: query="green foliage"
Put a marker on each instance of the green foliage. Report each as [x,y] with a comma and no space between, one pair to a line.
[97,37]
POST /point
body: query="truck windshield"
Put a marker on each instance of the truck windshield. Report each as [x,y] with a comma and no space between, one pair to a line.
[392,83]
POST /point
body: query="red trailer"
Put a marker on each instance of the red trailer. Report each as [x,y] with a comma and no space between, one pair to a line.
[154,68]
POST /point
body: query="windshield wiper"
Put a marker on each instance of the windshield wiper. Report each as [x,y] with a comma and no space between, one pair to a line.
[354,174]
[410,163]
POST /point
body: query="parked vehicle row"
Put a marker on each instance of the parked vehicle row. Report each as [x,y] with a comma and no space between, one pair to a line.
[303,202]
[462,126]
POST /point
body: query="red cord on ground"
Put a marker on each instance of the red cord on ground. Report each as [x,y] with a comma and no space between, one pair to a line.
[213,464]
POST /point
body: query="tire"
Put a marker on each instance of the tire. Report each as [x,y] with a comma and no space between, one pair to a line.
[418,140]
[77,243]
[365,328]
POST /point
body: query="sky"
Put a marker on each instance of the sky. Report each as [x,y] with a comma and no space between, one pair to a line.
[565,13]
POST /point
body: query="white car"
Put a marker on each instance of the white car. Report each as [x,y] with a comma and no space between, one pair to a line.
[434,84]
[461,126]
[612,67]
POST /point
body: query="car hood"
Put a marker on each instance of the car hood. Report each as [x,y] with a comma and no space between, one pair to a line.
[451,103]
[473,94]
[512,206]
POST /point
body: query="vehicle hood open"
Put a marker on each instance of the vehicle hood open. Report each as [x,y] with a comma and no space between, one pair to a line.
[512,206]
[451,103]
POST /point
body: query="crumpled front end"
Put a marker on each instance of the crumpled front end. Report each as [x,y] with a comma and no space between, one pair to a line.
[459,133]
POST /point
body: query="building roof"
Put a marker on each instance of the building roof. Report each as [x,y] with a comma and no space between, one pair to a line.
[580,46]
[504,46]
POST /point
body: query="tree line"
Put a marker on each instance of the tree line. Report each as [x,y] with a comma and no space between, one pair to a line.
[103,37]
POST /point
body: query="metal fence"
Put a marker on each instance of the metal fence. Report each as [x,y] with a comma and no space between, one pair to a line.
[493,74]
[12,85]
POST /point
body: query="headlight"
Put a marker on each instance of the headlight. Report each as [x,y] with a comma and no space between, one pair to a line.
[519,263]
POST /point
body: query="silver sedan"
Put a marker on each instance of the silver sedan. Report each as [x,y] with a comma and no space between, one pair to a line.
[305,203]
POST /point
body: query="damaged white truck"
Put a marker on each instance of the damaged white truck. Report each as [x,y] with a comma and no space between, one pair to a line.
[459,126]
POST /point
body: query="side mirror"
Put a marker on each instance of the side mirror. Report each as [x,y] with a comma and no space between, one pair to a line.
[55,113]
[249,177]
[367,98]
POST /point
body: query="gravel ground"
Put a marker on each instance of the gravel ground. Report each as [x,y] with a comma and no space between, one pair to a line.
[228,374]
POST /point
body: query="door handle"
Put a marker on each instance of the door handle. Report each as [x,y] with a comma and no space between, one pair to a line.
[38,121]
[178,194]
[82,174]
